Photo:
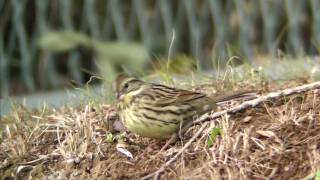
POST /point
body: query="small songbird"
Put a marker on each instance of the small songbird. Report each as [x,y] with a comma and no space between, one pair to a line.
[158,111]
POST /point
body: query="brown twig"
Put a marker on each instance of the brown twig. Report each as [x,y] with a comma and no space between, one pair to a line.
[175,157]
[259,100]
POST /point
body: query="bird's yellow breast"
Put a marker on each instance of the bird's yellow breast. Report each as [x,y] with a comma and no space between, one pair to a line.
[140,125]
[146,122]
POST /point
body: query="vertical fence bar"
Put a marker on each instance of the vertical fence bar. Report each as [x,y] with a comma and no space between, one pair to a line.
[245,29]
[269,15]
[133,24]
[4,69]
[138,6]
[2,5]
[51,77]
[293,9]
[107,24]
[194,30]
[92,19]
[315,6]
[117,18]
[4,64]
[166,13]
[12,44]
[220,26]
[179,20]
[73,60]
[154,23]
[205,30]
[26,63]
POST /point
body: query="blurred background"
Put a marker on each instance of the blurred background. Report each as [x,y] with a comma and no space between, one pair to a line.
[50,45]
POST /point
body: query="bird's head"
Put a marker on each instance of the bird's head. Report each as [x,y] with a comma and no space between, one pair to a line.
[125,84]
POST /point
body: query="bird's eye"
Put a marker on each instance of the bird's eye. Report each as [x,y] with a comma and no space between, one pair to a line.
[126,86]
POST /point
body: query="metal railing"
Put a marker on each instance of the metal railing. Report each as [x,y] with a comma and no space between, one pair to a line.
[206,30]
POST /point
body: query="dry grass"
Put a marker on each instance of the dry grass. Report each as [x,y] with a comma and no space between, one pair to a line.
[278,140]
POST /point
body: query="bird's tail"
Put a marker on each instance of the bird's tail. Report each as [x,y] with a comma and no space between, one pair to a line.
[245,94]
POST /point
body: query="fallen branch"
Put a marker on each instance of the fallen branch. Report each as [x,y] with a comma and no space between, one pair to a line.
[259,100]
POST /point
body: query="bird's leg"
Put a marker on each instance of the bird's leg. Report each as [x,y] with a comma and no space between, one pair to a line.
[171,140]
[182,130]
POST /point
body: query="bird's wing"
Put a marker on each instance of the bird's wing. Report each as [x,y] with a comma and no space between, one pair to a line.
[189,96]
[165,95]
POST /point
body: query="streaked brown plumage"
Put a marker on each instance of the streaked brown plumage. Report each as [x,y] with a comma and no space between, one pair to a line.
[158,111]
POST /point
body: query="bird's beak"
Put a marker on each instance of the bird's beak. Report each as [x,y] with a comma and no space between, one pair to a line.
[119,95]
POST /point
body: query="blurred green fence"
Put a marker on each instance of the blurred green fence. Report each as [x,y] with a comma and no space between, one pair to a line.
[207,30]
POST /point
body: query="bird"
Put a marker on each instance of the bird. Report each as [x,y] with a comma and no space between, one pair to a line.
[159,111]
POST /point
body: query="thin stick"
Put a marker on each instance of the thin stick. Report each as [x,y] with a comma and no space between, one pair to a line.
[175,157]
[259,100]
